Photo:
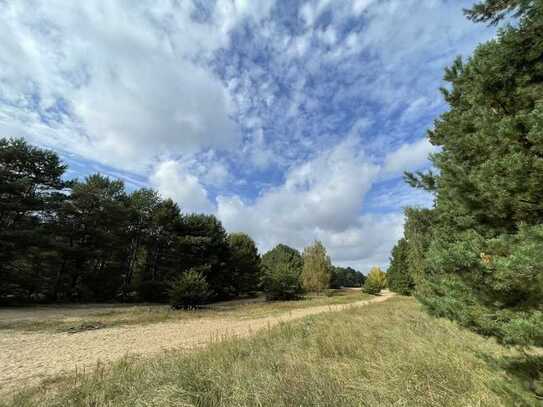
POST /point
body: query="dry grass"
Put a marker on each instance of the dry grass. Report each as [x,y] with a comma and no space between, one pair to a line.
[379,355]
[75,318]
[27,357]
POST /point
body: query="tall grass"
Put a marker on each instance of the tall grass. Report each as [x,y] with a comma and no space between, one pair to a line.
[387,354]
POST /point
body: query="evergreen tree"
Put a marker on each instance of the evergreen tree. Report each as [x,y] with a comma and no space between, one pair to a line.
[281,269]
[203,242]
[346,277]
[399,278]
[283,254]
[244,263]
[31,190]
[481,265]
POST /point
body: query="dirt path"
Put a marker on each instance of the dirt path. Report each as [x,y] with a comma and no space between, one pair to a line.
[26,358]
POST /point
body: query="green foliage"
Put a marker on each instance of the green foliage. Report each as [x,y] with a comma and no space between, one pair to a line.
[476,257]
[493,11]
[317,268]
[31,189]
[282,267]
[508,274]
[285,255]
[90,240]
[203,242]
[189,291]
[375,281]
[245,265]
[282,282]
[399,279]
[346,277]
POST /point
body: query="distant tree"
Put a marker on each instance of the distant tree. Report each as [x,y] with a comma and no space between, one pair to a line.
[283,254]
[281,268]
[142,206]
[189,290]
[157,260]
[317,268]
[375,281]
[282,282]
[346,277]
[245,267]
[202,242]
[94,224]
[90,240]
[399,278]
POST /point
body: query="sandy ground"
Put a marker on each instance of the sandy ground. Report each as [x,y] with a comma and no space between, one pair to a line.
[26,357]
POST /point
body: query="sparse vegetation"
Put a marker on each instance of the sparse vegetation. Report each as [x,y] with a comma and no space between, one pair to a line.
[391,354]
[53,319]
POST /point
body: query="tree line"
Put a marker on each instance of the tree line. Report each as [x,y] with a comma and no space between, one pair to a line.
[476,257]
[91,240]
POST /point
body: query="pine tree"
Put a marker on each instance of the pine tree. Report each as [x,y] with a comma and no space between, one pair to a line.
[399,278]
[479,263]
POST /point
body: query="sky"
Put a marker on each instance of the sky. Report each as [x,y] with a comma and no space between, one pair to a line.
[288,120]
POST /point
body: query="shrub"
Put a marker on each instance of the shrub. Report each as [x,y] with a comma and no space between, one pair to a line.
[281,282]
[189,291]
[375,281]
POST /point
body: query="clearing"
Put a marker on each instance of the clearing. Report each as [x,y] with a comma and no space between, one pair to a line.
[41,342]
[386,354]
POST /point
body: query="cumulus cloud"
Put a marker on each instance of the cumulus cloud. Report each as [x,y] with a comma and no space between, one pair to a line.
[118,82]
[172,180]
[289,121]
[319,199]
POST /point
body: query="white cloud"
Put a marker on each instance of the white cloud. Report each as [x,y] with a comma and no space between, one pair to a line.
[408,157]
[359,6]
[172,180]
[163,89]
[133,78]
[320,198]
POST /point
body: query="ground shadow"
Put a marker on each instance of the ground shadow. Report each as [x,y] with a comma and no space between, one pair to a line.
[526,368]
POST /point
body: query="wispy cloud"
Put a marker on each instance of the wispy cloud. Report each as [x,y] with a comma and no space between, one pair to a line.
[291,120]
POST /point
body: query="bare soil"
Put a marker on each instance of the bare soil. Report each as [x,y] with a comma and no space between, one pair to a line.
[26,358]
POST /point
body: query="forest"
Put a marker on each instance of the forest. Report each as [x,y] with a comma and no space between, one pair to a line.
[91,240]
[476,256]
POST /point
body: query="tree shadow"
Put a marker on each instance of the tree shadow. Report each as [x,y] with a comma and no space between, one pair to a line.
[526,368]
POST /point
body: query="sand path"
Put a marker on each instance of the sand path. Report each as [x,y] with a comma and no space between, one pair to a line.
[27,357]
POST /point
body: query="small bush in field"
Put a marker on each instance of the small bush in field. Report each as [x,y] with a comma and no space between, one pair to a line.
[282,282]
[189,291]
[375,282]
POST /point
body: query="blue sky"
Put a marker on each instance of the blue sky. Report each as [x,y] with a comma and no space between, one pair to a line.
[289,120]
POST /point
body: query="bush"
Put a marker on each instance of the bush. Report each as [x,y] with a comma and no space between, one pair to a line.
[189,291]
[282,282]
[375,282]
